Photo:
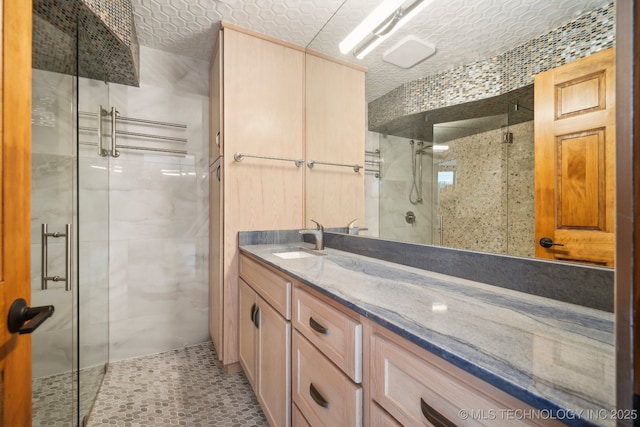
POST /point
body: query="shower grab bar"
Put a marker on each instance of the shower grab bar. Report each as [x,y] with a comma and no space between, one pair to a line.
[375,152]
[239,156]
[45,257]
[312,163]
[114,144]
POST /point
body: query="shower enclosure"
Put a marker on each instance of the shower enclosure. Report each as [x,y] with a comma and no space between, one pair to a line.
[469,186]
[69,229]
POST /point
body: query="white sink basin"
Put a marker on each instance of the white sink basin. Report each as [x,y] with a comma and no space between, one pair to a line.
[296,254]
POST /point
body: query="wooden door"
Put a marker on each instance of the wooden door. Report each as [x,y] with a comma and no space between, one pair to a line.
[15,194]
[575,161]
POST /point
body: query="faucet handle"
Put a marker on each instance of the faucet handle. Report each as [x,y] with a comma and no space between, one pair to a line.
[318,225]
[352,224]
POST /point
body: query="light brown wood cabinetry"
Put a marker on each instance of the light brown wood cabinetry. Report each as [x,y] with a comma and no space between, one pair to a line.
[335,124]
[327,361]
[417,388]
[337,335]
[265,342]
[257,106]
[322,392]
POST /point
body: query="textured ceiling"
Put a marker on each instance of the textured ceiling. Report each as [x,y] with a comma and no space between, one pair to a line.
[462,30]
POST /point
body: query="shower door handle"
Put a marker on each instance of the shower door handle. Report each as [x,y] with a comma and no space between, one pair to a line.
[45,257]
[114,146]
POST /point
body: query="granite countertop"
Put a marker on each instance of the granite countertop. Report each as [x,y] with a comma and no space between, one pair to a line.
[556,356]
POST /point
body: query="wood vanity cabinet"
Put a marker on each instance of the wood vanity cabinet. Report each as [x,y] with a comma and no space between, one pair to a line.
[327,362]
[265,338]
[335,133]
[410,386]
[257,106]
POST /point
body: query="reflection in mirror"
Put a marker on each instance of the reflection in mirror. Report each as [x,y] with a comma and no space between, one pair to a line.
[474,95]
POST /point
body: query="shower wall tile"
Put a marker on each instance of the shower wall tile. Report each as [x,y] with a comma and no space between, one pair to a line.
[159,212]
[371,189]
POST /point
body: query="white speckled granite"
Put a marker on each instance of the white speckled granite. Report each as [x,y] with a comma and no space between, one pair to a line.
[553,355]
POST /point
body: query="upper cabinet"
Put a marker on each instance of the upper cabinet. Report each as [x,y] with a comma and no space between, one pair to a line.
[335,130]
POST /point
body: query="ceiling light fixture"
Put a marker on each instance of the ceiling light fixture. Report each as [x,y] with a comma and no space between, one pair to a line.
[380,26]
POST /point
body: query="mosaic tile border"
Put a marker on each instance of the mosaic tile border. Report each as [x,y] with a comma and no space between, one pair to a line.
[589,33]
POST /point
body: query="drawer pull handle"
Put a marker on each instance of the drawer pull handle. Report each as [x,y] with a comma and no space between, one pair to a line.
[253,313]
[317,397]
[256,317]
[317,326]
[433,416]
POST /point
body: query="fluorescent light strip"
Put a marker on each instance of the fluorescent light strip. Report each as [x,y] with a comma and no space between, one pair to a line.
[408,14]
[379,14]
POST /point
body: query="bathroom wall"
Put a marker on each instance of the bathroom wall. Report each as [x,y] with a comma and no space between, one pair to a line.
[159,212]
[371,187]
[395,185]
[489,207]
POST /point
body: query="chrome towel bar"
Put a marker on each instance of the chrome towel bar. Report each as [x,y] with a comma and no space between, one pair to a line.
[239,156]
[312,163]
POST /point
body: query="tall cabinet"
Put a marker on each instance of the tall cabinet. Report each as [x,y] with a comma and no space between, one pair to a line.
[257,106]
[335,126]
[271,99]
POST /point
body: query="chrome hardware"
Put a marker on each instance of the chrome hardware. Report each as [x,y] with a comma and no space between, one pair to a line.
[312,163]
[101,151]
[239,156]
[546,242]
[114,146]
[353,230]
[218,139]
[20,314]
[44,271]
[317,397]
[318,233]
[410,217]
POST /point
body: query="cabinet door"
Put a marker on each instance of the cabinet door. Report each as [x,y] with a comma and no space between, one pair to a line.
[335,126]
[274,365]
[263,116]
[248,303]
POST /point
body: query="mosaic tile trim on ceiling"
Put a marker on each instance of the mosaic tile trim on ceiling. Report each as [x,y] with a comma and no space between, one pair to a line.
[516,68]
[107,47]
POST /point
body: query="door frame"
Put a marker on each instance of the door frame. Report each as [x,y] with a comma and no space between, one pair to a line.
[627,278]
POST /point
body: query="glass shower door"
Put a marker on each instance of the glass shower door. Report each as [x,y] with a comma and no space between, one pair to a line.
[94,129]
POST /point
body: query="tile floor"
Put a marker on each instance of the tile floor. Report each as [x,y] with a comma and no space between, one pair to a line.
[184,387]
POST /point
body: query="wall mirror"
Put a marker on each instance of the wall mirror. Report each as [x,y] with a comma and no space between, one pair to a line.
[454,133]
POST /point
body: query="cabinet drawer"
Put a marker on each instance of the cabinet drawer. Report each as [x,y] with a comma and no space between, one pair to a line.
[273,288]
[415,390]
[336,334]
[324,395]
[380,418]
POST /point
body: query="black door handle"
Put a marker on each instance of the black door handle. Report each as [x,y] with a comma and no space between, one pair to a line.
[24,320]
[546,242]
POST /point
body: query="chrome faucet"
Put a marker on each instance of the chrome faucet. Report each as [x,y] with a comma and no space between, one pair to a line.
[352,229]
[318,233]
